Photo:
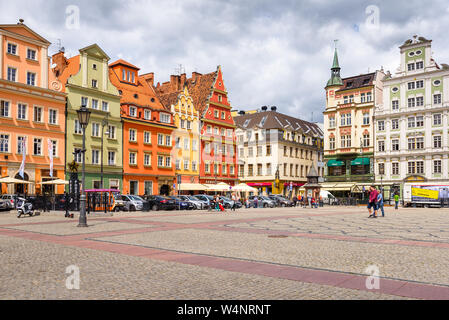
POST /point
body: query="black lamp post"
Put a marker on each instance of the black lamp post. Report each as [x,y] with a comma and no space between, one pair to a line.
[83,118]
[103,124]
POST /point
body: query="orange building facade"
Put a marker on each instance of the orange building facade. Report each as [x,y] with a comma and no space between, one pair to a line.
[148,128]
[32,109]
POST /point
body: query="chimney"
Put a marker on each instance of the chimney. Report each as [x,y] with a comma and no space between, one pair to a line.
[274,108]
[196,75]
[149,78]
[183,80]
[21,21]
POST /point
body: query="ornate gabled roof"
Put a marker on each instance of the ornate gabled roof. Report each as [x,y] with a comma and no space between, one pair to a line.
[200,88]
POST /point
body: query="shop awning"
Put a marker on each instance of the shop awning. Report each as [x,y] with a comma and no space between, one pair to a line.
[337,186]
[335,163]
[360,162]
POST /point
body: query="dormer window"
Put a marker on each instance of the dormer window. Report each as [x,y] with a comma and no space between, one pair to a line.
[123,74]
[165,118]
[147,114]
[133,111]
[132,77]
[349,84]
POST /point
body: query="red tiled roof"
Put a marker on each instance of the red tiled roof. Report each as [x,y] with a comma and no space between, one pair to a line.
[125,63]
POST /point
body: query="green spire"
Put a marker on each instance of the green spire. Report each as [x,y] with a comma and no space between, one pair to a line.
[335,79]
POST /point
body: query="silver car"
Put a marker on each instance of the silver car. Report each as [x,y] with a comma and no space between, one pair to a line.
[132,203]
[262,202]
[199,204]
[8,200]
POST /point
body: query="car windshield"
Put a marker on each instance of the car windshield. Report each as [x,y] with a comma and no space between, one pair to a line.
[265,198]
[193,198]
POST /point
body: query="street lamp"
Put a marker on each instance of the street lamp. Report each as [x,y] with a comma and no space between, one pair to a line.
[103,124]
[83,118]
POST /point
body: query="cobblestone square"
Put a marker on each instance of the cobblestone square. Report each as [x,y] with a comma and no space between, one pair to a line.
[282,253]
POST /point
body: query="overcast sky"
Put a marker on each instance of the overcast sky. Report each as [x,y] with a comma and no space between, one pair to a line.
[271,52]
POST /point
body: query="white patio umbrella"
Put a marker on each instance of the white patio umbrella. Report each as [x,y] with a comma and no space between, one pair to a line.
[218,187]
[53,182]
[192,187]
[243,187]
[9,180]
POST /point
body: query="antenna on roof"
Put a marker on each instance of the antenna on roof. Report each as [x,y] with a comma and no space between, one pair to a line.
[180,70]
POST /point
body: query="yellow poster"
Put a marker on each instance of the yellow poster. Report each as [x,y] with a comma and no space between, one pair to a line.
[425,193]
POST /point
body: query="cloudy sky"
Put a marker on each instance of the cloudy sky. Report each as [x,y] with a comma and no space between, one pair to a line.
[271,52]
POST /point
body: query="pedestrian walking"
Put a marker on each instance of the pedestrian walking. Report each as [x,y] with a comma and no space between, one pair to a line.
[372,204]
[256,201]
[295,200]
[234,200]
[396,201]
[310,201]
[380,203]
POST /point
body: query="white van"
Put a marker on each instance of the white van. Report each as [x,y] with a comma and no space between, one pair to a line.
[328,198]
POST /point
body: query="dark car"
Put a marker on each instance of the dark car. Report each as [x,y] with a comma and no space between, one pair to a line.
[281,201]
[181,204]
[161,203]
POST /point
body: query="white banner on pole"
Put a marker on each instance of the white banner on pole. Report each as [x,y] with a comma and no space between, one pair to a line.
[50,154]
[24,154]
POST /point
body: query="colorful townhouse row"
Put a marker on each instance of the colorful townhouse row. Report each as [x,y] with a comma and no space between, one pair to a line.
[142,138]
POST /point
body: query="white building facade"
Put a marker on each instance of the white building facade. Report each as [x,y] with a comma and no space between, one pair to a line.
[412,122]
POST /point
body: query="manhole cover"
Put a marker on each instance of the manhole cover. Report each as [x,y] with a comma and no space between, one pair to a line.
[278,236]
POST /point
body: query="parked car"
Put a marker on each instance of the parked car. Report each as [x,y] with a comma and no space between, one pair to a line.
[206,198]
[9,200]
[181,204]
[228,203]
[281,201]
[199,204]
[132,203]
[157,203]
[262,201]
[3,205]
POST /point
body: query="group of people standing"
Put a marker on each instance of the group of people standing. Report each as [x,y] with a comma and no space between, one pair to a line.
[303,201]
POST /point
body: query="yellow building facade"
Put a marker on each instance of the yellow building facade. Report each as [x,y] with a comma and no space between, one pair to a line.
[186,136]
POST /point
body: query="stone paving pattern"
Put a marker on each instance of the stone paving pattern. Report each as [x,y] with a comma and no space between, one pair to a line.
[207,255]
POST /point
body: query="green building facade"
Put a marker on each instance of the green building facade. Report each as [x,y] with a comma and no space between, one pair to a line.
[91,86]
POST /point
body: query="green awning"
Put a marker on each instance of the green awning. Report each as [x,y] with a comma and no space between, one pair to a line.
[335,163]
[360,162]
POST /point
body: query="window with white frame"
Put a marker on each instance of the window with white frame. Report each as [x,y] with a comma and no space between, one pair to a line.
[78,156]
[437,119]
[186,144]
[231,169]
[411,86]
[419,65]
[4,143]
[186,164]
[411,122]
[21,140]
[216,131]
[420,167]
[362,97]
[436,166]
[132,158]
[366,118]
[133,135]
[95,156]
[369,97]
[437,141]
[381,168]
[168,141]
[348,120]
[194,145]
[419,84]
[21,111]
[54,144]
[147,137]
[209,129]
[111,131]
[381,125]
[105,106]
[194,166]
[331,122]
[12,48]
[37,146]
[419,101]
[147,114]
[77,127]
[331,144]
[419,121]
[165,118]
[411,67]
[189,125]
[84,101]
[343,120]
[31,78]
[95,129]
[160,139]
[381,146]
[168,162]
[395,168]
[4,108]
[111,158]
[132,111]
[411,167]
[147,159]
[395,105]
[52,116]
[37,114]
[420,143]
[395,124]
[160,161]
[12,73]
[437,98]
[395,145]
[94,84]
[411,102]
[411,143]
[366,142]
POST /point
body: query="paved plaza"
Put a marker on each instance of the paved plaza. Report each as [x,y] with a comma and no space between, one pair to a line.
[281,253]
